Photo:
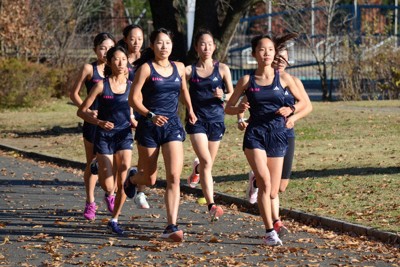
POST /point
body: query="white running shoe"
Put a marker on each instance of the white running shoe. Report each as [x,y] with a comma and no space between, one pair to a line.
[140,201]
[272,239]
[194,179]
[252,192]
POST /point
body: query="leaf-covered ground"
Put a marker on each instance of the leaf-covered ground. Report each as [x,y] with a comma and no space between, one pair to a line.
[41,224]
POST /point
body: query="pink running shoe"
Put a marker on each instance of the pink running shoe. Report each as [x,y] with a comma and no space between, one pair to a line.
[252,192]
[110,202]
[280,229]
[216,212]
[90,211]
[172,233]
[194,179]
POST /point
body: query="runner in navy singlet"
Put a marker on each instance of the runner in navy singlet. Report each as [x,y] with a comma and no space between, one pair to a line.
[90,75]
[114,140]
[133,42]
[210,84]
[154,94]
[265,140]
[288,159]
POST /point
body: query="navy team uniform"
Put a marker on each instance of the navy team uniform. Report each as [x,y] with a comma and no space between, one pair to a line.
[89,130]
[266,130]
[208,109]
[114,108]
[288,160]
[160,96]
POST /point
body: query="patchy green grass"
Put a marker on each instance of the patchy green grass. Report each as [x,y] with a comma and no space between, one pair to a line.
[347,157]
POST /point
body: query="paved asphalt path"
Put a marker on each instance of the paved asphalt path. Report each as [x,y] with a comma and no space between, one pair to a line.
[41,224]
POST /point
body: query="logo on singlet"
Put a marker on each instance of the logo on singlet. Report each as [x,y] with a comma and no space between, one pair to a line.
[194,80]
[157,79]
[96,80]
[179,136]
[177,79]
[251,89]
[286,93]
[215,79]
[276,88]
[108,97]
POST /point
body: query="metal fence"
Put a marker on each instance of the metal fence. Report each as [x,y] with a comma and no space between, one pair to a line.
[370,26]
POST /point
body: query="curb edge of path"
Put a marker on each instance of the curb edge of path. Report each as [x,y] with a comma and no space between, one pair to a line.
[243,205]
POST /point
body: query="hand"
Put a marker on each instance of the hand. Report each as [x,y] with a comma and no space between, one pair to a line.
[106,125]
[284,111]
[93,113]
[134,123]
[243,107]
[192,118]
[242,125]
[219,93]
[159,120]
[290,122]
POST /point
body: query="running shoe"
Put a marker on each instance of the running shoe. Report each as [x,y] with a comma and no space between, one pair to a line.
[215,213]
[252,191]
[171,233]
[280,229]
[129,188]
[113,227]
[140,201]
[94,167]
[110,200]
[272,239]
[194,179]
[90,211]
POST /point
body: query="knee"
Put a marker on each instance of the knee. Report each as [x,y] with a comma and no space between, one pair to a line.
[283,185]
[263,185]
[273,195]
[207,163]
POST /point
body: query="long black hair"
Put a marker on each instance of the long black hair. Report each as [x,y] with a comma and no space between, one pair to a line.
[148,53]
[101,37]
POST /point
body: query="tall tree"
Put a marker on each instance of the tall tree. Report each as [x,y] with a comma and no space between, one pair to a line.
[219,16]
[327,23]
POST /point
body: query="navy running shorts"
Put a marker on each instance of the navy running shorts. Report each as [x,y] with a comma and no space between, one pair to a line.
[264,137]
[109,143]
[150,135]
[214,130]
[89,131]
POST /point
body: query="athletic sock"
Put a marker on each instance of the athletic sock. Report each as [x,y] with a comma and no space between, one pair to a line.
[269,230]
[210,206]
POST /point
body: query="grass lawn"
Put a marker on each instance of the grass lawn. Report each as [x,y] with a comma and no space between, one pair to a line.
[347,157]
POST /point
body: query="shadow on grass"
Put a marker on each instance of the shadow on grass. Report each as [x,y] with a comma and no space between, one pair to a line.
[55,131]
[320,173]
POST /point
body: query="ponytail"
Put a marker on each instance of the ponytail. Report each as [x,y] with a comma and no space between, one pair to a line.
[147,54]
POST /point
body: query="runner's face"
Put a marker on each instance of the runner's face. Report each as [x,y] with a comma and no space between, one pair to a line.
[265,52]
[205,46]
[134,40]
[101,50]
[119,63]
[283,65]
[162,46]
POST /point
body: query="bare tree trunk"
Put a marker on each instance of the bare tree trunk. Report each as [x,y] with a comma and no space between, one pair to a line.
[165,15]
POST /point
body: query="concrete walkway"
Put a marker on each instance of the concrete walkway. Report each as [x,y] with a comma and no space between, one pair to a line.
[41,224]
